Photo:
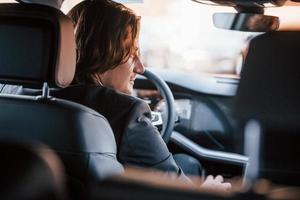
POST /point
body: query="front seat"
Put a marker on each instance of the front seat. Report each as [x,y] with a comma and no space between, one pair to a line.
[269,94]
[38,51]
[41,175]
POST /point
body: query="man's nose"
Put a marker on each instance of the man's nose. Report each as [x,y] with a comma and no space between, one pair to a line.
[138,66]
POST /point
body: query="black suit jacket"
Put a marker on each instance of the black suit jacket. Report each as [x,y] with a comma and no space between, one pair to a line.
[139,142]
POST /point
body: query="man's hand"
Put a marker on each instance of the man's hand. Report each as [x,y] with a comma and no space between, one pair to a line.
[215,184]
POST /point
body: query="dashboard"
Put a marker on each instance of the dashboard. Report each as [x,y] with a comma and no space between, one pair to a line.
[205,120]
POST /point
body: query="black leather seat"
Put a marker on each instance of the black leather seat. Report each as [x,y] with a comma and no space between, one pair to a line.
[28,173]
[38,50]
[269,93]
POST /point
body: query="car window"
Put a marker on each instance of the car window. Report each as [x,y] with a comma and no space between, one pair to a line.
[179,35]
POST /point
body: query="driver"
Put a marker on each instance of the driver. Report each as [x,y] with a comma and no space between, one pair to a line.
[108,62]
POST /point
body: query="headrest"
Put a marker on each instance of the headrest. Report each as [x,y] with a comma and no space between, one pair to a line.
[270,79]
[37,46]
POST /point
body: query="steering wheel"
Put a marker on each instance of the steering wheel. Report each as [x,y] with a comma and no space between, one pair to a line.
[164,90]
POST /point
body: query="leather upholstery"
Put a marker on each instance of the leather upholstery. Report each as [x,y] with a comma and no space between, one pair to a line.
[39,165]
[81,136]
[71,127]
[269,93]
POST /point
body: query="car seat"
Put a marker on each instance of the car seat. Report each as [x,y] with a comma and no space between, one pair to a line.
[38,51]
[30,172]
[269,94]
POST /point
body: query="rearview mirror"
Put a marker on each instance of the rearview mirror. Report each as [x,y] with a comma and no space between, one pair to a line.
[246,22]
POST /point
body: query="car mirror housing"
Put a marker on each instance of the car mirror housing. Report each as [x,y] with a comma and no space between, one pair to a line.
[248,22]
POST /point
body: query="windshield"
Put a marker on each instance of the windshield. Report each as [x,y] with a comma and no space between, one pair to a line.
[180,34]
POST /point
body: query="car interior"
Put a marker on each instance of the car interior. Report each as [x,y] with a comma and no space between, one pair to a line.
[244,128]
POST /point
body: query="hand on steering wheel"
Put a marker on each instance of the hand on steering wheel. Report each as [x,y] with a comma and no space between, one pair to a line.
[170,113]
